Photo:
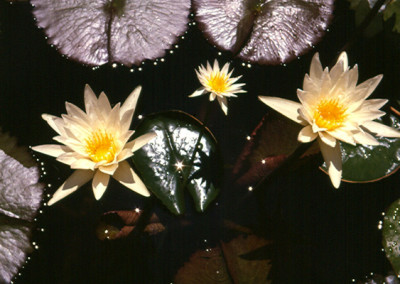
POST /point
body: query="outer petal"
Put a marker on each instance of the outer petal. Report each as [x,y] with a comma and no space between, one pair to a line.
[223,102]
[99,184]
[103,103]
[327,139]
[140,141]
[90,100]
[84,164]
[365,139]
[131,101]
[198,92]
[381,129]
[109,169]
[127,177]
[212,96]
[316,67]
[52,150]
[286,107]
[343,135]
[76,180]
[306,134]
[333,160]
[367,87]
[55,122]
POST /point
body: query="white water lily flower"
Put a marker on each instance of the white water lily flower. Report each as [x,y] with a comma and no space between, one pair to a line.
[96,144]
[333,107]
[218,83]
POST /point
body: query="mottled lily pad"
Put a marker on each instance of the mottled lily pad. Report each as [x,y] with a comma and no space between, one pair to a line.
[363,163]
[20,198]
[391,235]
[122,31]
[166,165]
[264,31]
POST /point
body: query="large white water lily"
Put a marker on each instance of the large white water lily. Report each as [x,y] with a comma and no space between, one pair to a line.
[96,144]
[218,83]
[333,107]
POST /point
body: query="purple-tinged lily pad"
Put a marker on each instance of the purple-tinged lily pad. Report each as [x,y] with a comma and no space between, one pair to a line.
[121,31]
[20,198]
[264,31]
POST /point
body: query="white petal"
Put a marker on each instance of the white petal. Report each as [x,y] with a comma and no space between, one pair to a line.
[140,141]
[306,134]
[343,135]
[327,139]
[339,68]
[69,158]
[99,184]
[286,107]
[366,88]
[365,139]
[131,101]
[365,115]
[55,122]
[353,77]
[109,169]
[333,160]
[90,99]
[52,150]
[316,67]
[381,129]
[125,154]
[76,180]
[83,164]
[223,102]
[212,96]
[198,92]
[103,103]
[75,111]
[127,177]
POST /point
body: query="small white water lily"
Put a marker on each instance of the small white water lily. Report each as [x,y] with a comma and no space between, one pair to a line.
[333,107]
[218,83]
[96,144]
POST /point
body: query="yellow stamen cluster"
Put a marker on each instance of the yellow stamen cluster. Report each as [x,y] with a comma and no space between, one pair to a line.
[101,146]
[218,83]
[329,114]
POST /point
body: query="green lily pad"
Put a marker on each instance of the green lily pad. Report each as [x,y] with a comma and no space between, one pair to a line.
[166,164]
[391,235]
[363,163]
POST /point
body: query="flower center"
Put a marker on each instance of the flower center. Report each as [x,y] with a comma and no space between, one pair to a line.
[101,146]
[218,83]
[329,114]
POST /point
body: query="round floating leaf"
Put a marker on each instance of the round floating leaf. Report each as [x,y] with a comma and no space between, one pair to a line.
[166,163]
[261,31]
[391,235]
[123,31]
[363,163]
[20,198]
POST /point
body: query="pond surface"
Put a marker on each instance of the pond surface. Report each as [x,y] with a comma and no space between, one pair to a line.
[312,233]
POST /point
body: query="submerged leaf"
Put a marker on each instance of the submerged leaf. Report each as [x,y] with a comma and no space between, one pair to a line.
[119,224]
[267,148]
[261,31]
[123,31]
[166,165]
[226,264]
[391,235]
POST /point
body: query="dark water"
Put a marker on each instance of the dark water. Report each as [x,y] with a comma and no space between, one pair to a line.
[320,235]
